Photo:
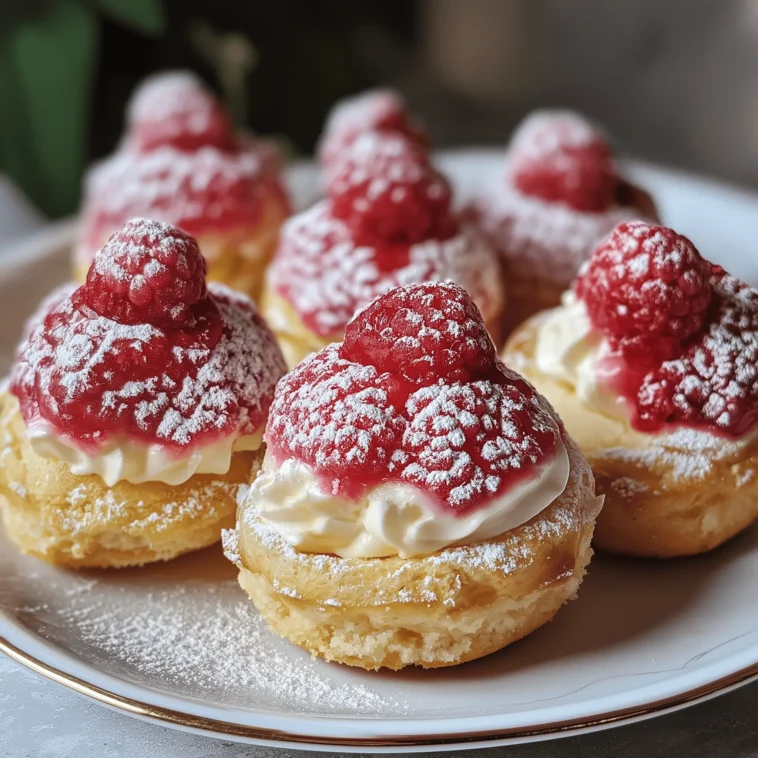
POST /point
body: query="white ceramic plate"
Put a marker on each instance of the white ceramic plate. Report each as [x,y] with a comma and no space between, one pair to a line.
[179,644]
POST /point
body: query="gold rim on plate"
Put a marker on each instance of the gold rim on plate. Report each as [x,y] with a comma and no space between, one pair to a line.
[227,729]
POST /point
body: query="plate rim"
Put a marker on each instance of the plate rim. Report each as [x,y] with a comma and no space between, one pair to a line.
[466,740]
[34,248]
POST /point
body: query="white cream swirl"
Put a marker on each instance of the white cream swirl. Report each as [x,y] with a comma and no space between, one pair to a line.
[394,518]
[124,460]
[568,350]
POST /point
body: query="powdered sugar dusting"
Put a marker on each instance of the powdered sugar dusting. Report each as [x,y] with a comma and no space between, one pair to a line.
[691,455]
[548,135]
[379,160]
[202,191]
[196,632]
[535,237]
[377,109]
[327,277]
[461,443]
[331,411]
[164,94]
[92,506]
[437,453]
[91,377]
[362,112]
[714,383]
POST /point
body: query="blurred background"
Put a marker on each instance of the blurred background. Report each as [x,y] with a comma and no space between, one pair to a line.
[675,81]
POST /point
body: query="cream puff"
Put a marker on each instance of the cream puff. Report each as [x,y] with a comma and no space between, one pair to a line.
[652,363]
[135,408]
[181,162]
[419,504]
[386,221]
[376,110]
[559,195]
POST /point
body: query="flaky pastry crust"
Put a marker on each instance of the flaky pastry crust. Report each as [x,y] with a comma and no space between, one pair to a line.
[78,521]
[456,605]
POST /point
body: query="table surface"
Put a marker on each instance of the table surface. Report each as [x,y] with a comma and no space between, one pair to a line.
[40,719]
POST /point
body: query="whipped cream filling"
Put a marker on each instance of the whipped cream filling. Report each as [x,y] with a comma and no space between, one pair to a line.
[124,460]
[393,518]
[569,350]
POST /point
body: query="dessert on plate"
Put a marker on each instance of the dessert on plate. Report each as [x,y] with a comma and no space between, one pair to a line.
[135,408]
[652,363]
[182,162]
[386,221]
[419,503]
[560,193]
[376,110]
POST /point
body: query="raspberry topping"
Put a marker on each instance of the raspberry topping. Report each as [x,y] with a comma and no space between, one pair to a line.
[647,289]
[373,111]
[177,110]
[338,413]
[385,190]
[422,333]
[327,276]
[561,158]
[555,206]
[93,373]
[461,440]
[714,382]
[682,334]
[148,272]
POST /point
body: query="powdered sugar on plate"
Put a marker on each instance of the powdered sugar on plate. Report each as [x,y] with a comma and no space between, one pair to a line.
[188,625]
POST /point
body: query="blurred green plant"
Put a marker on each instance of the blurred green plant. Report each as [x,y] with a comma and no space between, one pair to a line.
[48,52]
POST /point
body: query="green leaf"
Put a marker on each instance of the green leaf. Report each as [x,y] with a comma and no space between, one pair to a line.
[45,71]
[144,16]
